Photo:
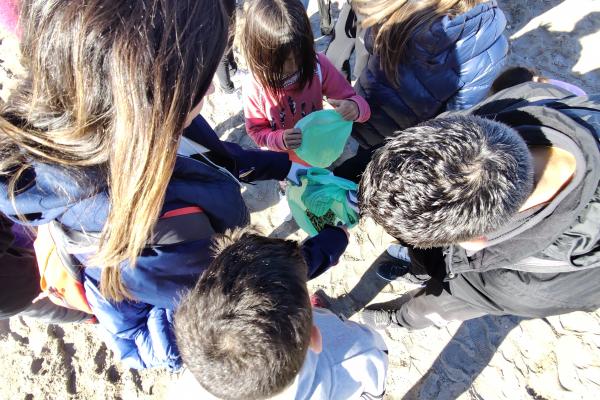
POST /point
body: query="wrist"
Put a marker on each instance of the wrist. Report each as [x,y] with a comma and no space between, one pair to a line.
[356,109]
[294,172]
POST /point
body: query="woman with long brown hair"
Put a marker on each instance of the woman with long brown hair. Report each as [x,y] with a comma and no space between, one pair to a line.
[100,140]
[427,57]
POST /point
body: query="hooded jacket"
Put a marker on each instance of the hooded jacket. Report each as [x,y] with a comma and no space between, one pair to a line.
[140,331]
[448,65]
[547,262]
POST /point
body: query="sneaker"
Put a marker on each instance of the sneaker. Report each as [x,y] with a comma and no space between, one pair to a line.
[398,269]
[377,319]
[398,251]
[228,88]
[320,299]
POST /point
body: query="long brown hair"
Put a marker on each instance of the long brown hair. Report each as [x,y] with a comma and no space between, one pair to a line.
[273,30]
[110,84]
[395,21]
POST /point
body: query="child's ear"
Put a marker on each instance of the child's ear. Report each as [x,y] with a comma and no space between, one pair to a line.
[316,340]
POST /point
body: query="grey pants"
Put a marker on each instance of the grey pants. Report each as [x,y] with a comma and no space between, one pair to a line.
[423,310]
[45,310]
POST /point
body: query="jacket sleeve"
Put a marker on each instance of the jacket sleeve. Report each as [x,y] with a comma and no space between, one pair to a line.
[335,86]
[9,16]
[258,125]
[324,250]
[252,165]
[259,165]
[140,334]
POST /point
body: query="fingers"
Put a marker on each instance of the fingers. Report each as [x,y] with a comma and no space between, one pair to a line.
[346,108]
[293,143]
[292,138]
[346,113]
[335,103]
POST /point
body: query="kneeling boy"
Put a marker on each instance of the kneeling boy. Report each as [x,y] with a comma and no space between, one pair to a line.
[247,330]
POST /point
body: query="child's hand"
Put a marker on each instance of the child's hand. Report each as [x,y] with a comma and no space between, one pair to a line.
[292,138]
[346,108]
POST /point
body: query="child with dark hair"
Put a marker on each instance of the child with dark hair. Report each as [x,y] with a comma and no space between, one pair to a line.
[247,330]
[516,75]
[288,78]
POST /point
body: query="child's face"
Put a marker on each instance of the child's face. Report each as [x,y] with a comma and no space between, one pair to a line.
[290,66]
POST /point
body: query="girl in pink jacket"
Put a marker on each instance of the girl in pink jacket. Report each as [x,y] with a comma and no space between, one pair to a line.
[288,78]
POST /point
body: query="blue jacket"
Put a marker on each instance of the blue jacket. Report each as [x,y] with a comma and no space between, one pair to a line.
[448,65]
[140,332]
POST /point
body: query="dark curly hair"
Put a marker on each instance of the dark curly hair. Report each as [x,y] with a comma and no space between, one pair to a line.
[447,180]
[245,328]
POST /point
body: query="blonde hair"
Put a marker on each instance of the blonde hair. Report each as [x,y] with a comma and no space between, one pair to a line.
[395,21]
[110,84]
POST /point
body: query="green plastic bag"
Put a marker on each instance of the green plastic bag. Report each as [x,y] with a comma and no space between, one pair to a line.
[319,192]
[324,135]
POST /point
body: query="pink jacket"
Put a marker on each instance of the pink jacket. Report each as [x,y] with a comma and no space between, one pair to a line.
[267,115]
[9,16]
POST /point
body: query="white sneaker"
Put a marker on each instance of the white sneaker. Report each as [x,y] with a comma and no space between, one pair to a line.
[396,250]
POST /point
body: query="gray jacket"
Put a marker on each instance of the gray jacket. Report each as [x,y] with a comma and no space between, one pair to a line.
[543,262]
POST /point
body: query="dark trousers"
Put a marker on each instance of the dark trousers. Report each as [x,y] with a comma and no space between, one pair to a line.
[353,168]
[433,304]
[223,74]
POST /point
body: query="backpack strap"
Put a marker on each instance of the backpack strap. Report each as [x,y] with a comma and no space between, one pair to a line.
[69,242]
[168,229]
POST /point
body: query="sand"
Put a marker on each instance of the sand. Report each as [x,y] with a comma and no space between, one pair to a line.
[487,358]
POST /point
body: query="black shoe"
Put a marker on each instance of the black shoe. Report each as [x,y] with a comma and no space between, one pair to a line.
[399,271]
[228,88]
[326,31]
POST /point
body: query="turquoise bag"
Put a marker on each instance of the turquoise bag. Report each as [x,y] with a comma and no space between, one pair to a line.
[324,135]
[319,192]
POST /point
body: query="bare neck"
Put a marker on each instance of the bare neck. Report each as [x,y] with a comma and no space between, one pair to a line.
[553,170]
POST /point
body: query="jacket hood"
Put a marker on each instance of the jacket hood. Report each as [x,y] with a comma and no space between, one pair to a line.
[479,27]
[46,192]
[542,117]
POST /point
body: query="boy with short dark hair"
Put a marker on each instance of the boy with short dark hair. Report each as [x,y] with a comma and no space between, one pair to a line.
[247,330]
[498,204]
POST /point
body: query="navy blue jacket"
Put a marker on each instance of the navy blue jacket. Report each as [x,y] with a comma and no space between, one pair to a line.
[140,332]
[448,65]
